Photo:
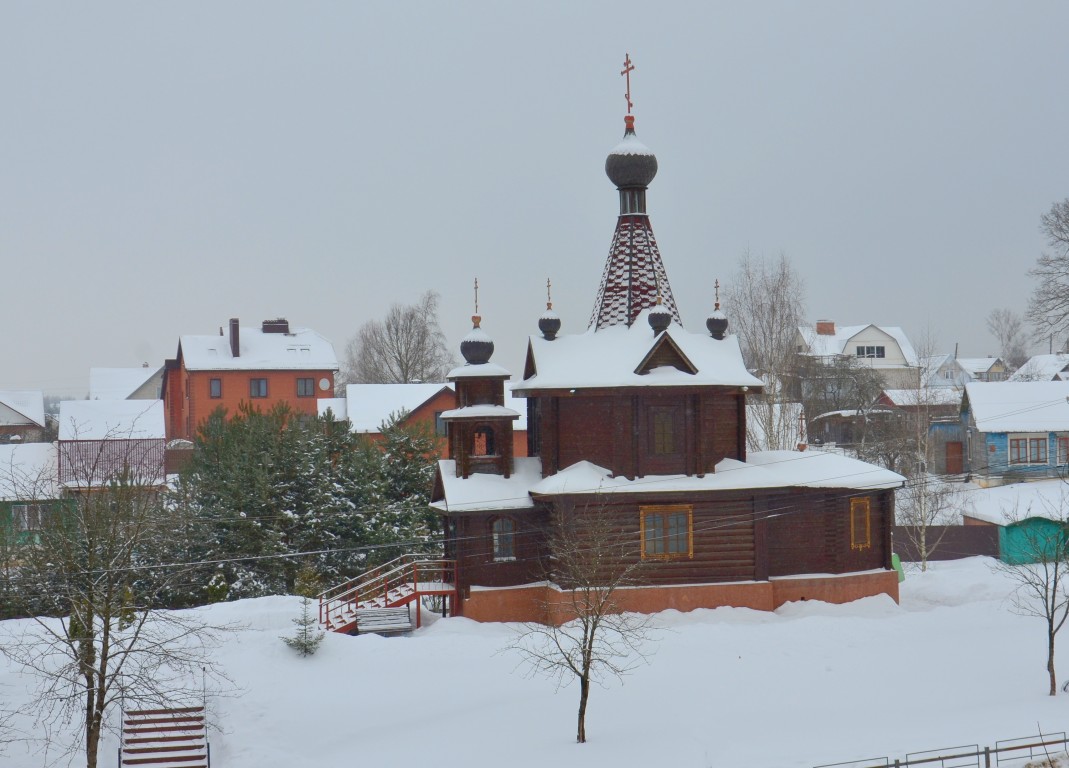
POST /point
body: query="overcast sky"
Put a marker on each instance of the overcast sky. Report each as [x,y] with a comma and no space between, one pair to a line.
[164,167]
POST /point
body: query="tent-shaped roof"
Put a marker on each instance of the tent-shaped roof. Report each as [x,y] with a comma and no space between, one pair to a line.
[611,357]
[1019,406]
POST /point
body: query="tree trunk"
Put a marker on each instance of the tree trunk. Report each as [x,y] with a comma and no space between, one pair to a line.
[584,693]
[1050,664]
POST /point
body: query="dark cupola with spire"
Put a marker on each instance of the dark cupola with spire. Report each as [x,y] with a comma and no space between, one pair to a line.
[717,322]
[634,273]
[549,322]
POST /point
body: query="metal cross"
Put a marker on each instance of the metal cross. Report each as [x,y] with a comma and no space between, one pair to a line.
[626,72]
[717,286]
[549,298]
[476,295]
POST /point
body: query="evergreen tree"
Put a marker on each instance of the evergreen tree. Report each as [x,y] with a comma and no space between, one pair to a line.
[308,636]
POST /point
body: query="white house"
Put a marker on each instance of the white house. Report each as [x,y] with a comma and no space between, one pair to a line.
[886,349]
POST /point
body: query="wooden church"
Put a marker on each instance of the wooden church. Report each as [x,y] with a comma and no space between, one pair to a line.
[642,423]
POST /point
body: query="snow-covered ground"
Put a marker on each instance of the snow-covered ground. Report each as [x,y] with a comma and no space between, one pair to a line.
[811,683]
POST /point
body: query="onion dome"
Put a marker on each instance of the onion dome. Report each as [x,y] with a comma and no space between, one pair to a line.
[549,323]
[659,317]
[631,163]
[477,346]
[717,322]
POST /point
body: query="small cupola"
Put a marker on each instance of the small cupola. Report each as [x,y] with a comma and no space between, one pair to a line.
[549,322]
[477,347]
[717,322]
[659,317]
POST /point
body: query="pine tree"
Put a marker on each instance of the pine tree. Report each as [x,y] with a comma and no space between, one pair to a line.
[308,636]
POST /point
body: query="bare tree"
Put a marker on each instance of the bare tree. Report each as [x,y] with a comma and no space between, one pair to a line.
[588,638]
[405,346]
[924,506]
[90,580]
[765,301]
[1048,308]
[1008,328]
[1042,583]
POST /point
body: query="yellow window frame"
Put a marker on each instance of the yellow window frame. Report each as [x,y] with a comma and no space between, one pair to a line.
[860,524]
[666,510]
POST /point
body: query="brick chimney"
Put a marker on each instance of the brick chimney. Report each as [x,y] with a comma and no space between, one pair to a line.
[825,327]
[281,325]
[235,341]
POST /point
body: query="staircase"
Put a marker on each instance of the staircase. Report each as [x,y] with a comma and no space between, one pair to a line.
[165,738]
[369,602]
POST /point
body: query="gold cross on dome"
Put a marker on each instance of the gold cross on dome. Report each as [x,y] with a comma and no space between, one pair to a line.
[626,72]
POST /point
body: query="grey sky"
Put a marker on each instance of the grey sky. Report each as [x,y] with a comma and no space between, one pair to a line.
[164,167]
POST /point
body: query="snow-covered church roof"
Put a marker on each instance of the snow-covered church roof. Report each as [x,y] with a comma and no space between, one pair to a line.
[613,356]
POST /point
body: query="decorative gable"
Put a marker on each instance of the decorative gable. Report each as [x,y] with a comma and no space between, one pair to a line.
[665,353]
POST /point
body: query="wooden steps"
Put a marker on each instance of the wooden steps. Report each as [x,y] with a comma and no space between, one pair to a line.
[165,738]
[383,621]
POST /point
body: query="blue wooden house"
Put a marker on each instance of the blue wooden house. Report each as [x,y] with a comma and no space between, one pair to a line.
[1015,430]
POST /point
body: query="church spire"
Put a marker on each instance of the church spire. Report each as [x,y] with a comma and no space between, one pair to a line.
[634,273]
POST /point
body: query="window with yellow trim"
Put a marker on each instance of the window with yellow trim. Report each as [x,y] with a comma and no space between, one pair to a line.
[860,524]
[667,531]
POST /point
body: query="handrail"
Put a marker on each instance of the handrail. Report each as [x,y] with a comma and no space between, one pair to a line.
[386,581]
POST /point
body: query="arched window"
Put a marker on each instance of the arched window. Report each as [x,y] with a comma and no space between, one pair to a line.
[483,442]
[503,531]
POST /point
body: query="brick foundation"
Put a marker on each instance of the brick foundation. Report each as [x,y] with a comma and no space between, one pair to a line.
[547,604]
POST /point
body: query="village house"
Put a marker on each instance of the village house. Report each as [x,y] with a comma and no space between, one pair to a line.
[142,383]
[1054,367]
[259,367]
[885,349]
[1015,430]
[29,488]
[102,441]
[22,416]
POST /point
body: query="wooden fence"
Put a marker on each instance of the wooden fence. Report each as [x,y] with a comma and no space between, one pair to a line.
[954,542]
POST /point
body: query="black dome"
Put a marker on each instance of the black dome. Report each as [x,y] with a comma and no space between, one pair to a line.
[477,347]
[631,164]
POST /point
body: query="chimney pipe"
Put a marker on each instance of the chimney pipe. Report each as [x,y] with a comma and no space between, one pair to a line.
[235,341]
[825,327]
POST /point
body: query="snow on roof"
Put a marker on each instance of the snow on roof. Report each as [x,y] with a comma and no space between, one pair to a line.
[301,349]
[763,469]
[469,371]
[29,403]
[1008,504]
[1042,368]
[826,345]
[479,492]
[630,145]
[369,405]
[483,411]
[28,471]
[117,383]
[927,396]
[785,419]
[1019,406]
[610,356]
[336,405]
[111,420]
[977,366]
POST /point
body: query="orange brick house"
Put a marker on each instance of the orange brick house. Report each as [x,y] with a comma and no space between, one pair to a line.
[261,366]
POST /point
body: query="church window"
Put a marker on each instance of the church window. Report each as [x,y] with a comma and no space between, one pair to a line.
[667,531]
[860,524]
[665,430]
[504,535]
